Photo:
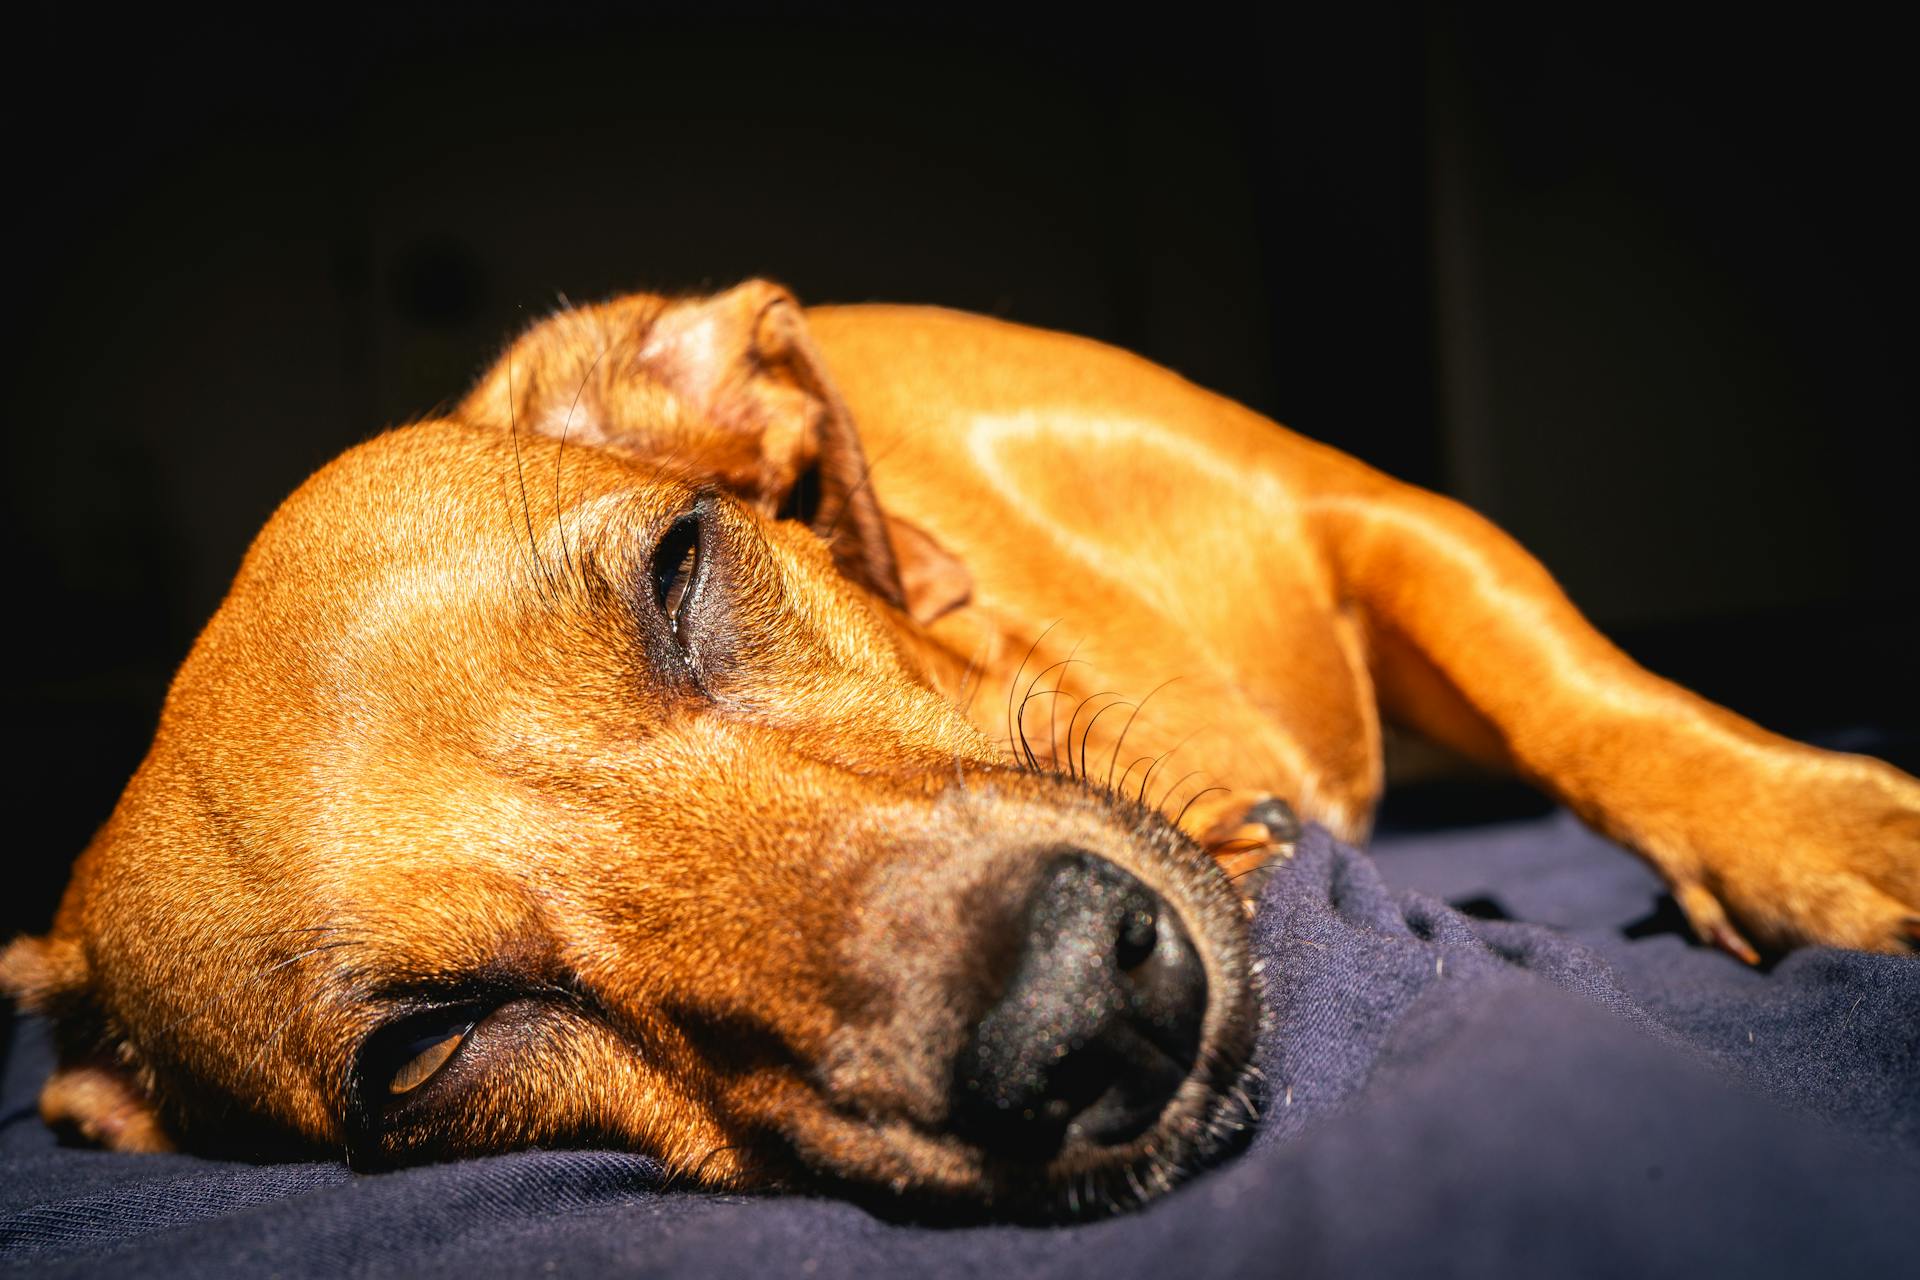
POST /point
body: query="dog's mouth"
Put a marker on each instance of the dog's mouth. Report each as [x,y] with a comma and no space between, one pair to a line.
[1074,1128]
[1103,1057]
[1210,1117]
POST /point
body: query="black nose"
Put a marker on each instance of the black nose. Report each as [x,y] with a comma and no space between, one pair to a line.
[1098,1025]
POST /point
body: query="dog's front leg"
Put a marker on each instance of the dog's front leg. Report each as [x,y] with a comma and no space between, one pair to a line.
[1474,645]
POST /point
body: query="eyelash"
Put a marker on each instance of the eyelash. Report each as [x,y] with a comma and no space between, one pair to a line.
[676,571]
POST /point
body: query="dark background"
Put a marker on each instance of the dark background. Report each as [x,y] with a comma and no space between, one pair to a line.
[1643,292]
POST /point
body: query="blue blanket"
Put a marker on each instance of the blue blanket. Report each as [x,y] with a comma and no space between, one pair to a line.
[1543,1078]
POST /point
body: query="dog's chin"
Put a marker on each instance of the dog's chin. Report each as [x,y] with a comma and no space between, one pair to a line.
[902,1172]
[1204,1123]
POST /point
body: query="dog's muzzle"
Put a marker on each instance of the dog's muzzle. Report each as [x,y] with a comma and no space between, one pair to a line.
[1098,1025]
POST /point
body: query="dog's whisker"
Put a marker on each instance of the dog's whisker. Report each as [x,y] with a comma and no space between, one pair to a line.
[1029,695]
[1134,1184]
[973,676]
[1053,708]
[1194,799]
[520,472]
[1166,797]
[1013,685]
[297,957]
[560,454]
[1118,789]
[1053,751]
[1121,741]
[273,1038]
[1026,748]
[285,962]
[1147,777]
[867,466]
[1033,762]
[1092,720]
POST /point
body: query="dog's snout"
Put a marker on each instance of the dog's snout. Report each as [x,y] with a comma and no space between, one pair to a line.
[1098,1024]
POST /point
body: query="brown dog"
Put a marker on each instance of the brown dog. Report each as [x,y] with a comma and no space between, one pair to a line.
[621,760]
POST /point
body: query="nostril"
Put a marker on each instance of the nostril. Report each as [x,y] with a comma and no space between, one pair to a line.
[1139,931]
[1099,1022]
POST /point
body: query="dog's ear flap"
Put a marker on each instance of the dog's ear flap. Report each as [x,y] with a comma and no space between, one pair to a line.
[934,580]
[746,359]
[92,1095]
[747,402]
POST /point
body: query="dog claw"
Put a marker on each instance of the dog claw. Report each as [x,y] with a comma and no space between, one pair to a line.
[1727,940]
[1277,816]
[1252,844]
[1710,923]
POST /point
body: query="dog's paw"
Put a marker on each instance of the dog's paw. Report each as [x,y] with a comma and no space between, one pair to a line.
[1250,841]
[1831,859]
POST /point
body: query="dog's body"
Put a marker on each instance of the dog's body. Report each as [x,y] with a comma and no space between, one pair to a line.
[564,772]
[1296,595]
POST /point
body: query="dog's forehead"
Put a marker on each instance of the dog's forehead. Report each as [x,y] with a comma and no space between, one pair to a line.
[389,631]
[441,494]
[409,578]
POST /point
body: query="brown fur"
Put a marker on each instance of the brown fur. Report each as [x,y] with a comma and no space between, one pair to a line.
[719,902]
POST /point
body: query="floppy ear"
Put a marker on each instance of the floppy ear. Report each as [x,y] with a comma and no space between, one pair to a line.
[93,1093]
[748,402]
[744,357]
[933,579]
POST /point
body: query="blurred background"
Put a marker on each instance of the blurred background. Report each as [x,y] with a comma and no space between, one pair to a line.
[1640,288]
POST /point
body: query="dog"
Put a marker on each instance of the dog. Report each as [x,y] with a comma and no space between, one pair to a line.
[838,747]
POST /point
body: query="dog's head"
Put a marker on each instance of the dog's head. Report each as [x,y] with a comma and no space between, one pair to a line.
[570,771]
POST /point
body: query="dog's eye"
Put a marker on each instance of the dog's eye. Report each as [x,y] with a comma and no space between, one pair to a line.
[415,1079]
[429,1055]
[675,562]
[401,1058]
